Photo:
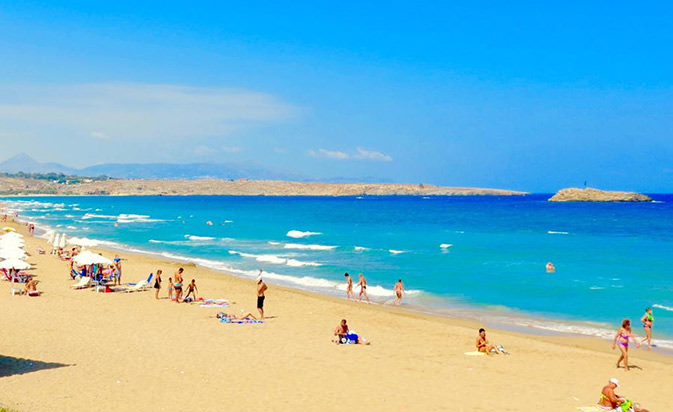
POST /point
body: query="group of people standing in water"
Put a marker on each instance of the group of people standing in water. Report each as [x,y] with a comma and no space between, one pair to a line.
[624,334]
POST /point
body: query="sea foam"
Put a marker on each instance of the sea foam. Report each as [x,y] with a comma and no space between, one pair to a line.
[299,234]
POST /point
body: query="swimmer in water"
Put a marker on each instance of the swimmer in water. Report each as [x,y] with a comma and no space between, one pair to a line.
[550,267]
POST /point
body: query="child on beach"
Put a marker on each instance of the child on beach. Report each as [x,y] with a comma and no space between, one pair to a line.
[191,290]
[622,339]
[170,288]
[648,321]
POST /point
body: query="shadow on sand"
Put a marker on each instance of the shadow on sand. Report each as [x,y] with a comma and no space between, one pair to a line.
[16,366]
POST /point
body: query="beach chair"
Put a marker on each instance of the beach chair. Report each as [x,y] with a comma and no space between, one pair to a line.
[84,282]
[136,287]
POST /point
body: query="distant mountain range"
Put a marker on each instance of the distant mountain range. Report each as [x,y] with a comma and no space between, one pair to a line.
[24,163]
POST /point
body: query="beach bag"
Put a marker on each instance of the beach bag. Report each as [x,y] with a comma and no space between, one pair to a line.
[352,338]
[626,405]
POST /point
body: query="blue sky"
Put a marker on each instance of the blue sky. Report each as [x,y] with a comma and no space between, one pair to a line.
[530,95]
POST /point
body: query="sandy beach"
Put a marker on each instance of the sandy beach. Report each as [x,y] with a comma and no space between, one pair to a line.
[78,350]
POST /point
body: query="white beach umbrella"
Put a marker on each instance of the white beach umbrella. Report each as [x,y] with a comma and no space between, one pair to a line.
[51,235]
[12,253]
[89,258]
[8,229]
[62,242]
[12,242]
[14,264]
[10,235]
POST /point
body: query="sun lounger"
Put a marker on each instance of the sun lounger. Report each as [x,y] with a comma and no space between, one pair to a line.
[84,282]
[137,286]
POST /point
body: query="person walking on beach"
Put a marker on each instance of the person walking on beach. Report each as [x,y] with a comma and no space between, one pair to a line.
[118,270]
[363,287]
[648,321]
[261,288]
[622,339]
[157,284]
[610,401]
[349,286]
[177,284]
[399,289]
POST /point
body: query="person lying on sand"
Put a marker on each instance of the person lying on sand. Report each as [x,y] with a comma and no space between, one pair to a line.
[342,334]
[247,316]
[610,401]
[31,286]
[483,344]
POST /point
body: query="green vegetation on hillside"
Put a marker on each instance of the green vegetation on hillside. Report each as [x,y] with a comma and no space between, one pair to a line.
[57,178]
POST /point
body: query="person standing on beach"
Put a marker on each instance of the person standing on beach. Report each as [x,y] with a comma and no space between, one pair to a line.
[363,287]
[261,288]
[349,286]
[118,270]
[177,284]
[399,289]
[648,321]
[170,288]
[157,284]
[622,339]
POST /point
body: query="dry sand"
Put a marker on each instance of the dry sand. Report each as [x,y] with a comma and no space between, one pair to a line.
[77,350]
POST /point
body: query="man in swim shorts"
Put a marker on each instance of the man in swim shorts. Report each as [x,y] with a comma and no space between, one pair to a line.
[610,401]
[363,287]
[399,289]
[177,284]
[261,288]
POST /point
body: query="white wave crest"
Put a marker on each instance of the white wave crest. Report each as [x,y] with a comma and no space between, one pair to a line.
[445,245]
[361,249]
[274,259]
[194,237]
[307,247]
[658,306]
[396,252]
[95,216]
[87,242]
[131,218]
[299,234]
[557,232]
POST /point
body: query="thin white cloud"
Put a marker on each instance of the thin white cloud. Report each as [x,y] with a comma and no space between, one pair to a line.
[202,150]
[363,154]
[360,154]
[331,154]
[134,111]
[231,149]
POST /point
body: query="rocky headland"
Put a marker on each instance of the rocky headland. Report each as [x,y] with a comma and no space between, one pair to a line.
[588,194]
[241,187]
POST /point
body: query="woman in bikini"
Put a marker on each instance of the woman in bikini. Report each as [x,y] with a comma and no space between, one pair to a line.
[177,285]
[483,345]
[157,284]
[622,340]
[648,321]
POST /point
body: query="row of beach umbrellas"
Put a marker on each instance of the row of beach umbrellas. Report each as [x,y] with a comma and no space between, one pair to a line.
[85,257]
[12,251]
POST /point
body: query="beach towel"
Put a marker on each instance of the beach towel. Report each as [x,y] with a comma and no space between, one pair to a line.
[475,353]
[240,321]
[591,409]
[213,303]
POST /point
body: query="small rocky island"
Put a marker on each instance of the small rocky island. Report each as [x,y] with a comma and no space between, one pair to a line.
[588,194]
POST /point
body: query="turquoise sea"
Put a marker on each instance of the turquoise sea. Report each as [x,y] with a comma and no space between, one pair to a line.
[477,256]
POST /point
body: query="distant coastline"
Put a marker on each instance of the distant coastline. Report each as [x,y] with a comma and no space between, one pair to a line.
[12,186]
[573,194]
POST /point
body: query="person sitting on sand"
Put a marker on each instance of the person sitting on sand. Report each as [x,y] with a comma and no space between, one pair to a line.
[610,401]
[31,286]
[622,339]
[342,334]
[483,344]
[191,290]
[648,321]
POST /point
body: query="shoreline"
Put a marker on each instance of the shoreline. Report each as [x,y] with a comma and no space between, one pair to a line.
[136,337]
[509,320]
